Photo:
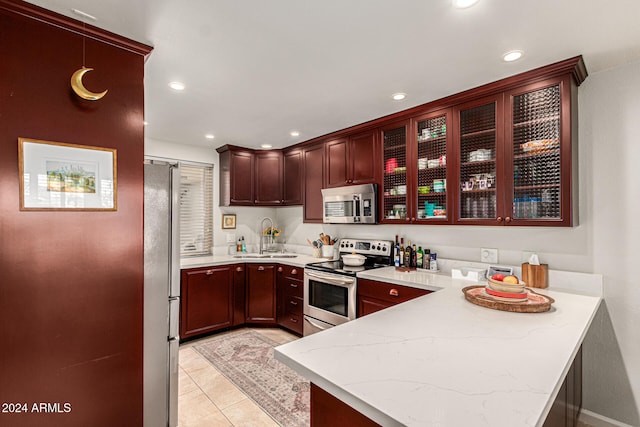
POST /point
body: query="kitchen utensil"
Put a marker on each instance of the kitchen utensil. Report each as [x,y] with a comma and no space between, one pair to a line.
[353,260]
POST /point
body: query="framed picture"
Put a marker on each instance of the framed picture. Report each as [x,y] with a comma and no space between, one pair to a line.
[66,177]
[228,221]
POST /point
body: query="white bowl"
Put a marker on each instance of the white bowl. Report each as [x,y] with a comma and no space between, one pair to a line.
[353,260]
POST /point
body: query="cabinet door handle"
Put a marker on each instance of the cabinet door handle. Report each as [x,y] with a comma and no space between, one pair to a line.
[261,268]
[507,219]
[209,272]
[239,269]
[294,272]
[408,219]
[394,292]
[293,320]
[280,269]
[499,219]
[413,219]
[293,303]
[293,285]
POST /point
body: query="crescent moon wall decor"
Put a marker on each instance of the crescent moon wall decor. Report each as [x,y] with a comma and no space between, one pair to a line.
[80,90]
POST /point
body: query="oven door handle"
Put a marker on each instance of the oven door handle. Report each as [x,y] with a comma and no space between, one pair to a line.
[314,324]
[330,279]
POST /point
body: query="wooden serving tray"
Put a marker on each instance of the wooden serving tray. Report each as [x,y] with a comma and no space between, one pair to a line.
[535,303]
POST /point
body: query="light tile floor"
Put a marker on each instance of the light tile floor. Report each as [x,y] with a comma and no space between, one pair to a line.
[207,399]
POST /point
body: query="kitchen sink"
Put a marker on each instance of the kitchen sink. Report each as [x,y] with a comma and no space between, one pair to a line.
[265,256]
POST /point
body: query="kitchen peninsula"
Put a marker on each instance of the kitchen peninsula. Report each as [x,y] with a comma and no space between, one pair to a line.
[439,360]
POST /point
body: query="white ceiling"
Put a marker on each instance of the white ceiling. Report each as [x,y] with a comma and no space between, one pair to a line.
[255,69]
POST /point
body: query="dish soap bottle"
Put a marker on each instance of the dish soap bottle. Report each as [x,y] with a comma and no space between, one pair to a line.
[243,246]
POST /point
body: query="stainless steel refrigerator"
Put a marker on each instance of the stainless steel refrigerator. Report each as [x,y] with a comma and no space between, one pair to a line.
[161,293]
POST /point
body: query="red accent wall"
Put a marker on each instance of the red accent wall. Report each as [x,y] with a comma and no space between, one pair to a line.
[71,283]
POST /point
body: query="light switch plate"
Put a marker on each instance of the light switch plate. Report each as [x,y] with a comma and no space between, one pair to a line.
[489,255]
[231,238]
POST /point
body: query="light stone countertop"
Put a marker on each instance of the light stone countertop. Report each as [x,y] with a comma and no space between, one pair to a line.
[299,261]
[439,360]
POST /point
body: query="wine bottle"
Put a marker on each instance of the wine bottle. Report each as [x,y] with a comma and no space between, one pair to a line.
[402,251]
[407,254]
[396,258]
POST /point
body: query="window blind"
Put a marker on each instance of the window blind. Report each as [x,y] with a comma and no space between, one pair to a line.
[196,209]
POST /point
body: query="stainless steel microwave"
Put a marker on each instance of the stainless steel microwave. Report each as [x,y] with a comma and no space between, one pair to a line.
[353,204]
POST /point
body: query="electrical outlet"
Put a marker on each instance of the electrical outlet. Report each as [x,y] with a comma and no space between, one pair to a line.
[489,255]
[231,238]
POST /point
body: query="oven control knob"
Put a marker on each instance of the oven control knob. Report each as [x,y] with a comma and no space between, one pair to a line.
[351,245]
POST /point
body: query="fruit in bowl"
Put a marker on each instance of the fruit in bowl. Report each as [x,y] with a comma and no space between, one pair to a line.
[507,284]
[498,277]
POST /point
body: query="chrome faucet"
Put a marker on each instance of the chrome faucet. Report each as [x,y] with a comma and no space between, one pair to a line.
[262,227]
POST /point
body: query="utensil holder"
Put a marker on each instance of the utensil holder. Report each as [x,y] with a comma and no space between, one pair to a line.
[317,253]
[535,276]
[327,251]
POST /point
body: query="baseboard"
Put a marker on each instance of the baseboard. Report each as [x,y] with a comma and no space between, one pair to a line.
[596,420]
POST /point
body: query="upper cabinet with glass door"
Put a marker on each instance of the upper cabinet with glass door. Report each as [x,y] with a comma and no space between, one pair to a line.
[432,198]
[539,153]
[479,126]
[515,153]
[395,201]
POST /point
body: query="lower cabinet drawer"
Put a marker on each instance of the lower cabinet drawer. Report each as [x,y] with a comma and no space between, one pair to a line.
[394,294]
[291,317]
[292,287]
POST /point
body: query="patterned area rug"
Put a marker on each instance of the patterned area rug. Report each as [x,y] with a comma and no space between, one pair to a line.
[246,358]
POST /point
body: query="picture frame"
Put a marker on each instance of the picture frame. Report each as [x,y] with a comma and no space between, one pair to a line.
[228,221]
[60,176]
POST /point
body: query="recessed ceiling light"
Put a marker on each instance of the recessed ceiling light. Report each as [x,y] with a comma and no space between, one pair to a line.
[512,55]
[266,146]
[294,133]
[176,85]
[209,136]
[463,4]
[399,96]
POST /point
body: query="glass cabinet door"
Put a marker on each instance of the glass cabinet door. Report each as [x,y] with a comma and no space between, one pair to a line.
[395,202]
[431,166]
[478,158]
[536,155]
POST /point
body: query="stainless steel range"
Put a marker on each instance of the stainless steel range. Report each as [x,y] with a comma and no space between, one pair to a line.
[330,286]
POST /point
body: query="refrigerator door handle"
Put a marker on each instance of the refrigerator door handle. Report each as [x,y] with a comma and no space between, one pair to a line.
[174,318]
[174,290]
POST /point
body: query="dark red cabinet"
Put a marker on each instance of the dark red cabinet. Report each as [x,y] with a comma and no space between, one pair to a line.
[260,178]
[261,293]
[239,302]
[206,302]
[567,405]
[313,167]
[290,293]
[292,177]
[352,160]
[268,178]
[237,167]
[374,296]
